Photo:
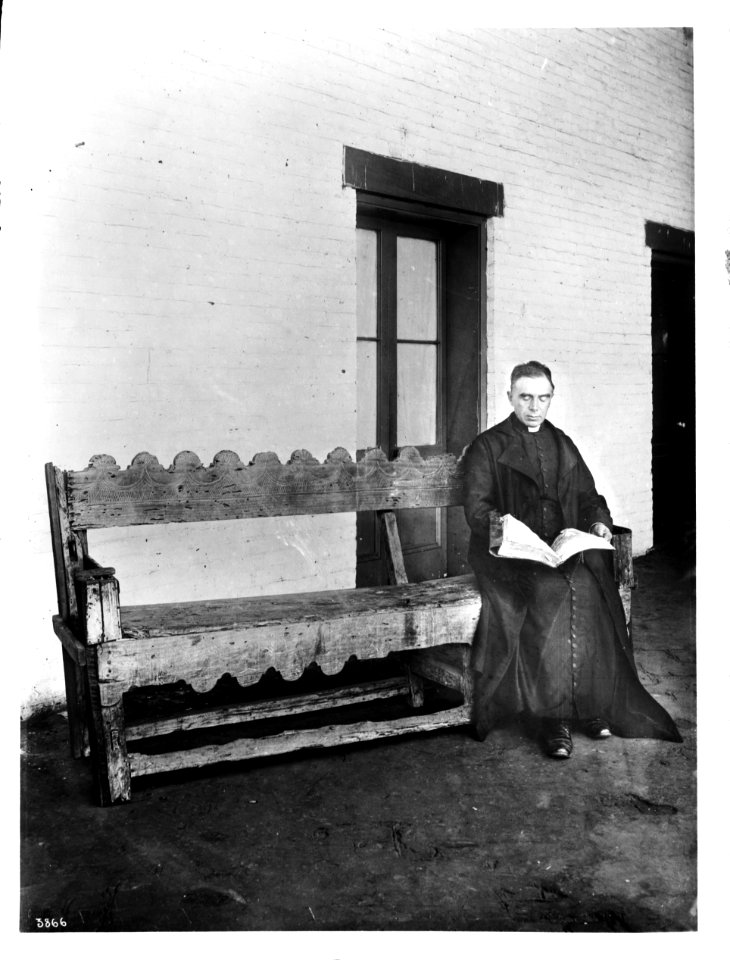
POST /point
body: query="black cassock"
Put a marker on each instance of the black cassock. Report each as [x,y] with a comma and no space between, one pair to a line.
[551,643]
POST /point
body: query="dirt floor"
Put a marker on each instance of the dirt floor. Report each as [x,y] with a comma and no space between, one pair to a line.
[430,832]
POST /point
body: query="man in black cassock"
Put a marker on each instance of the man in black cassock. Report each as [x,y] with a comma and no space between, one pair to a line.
[552,645]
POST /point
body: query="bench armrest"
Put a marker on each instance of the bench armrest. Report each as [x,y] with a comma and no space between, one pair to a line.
[94,573]
[71,644]
[623,563]
[90,567]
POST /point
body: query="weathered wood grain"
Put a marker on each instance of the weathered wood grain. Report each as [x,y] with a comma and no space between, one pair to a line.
[199,642]
[71,644]
[448,666]
[623,563]
[75,685]
[291,740]
[91,605]
[430,626]
[110,762]
[396,563]
[288,610]
[98,592]
[115,758]
[64,568]
[623,567]
[397,575]
[416,695]
[110,611]
[58,515]
[68,551]
[104,495]
[93,571]
[266,709]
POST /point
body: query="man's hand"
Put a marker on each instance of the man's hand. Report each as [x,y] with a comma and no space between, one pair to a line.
[601,530]
[495,530]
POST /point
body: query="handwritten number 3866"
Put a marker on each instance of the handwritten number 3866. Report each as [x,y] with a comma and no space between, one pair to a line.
[46,923]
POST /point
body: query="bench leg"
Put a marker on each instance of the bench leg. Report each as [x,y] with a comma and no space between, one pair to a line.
[448,666]
[76,707]
[415,687]
[468,685]
[112,772]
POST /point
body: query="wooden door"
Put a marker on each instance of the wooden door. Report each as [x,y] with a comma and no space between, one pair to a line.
[420,297]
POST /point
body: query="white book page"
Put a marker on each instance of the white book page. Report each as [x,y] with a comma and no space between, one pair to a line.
[519,542]
[570,541]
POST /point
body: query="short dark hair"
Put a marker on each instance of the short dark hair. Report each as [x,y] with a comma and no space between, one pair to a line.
[533,368]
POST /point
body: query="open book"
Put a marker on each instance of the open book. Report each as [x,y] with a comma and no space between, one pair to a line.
[521,543]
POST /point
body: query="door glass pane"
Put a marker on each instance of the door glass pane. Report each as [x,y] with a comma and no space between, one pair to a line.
[366,393]
[416,394]
[416,280]
[367,283]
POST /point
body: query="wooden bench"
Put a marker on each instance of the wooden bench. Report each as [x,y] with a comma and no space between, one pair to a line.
[111,651]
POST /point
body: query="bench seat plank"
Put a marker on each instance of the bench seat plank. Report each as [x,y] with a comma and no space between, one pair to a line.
[200,641]
[286,609]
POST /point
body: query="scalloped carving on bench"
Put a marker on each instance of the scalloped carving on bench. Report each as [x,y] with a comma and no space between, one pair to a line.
[264,487]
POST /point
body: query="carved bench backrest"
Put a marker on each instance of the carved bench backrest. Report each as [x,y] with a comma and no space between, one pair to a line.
[105,495]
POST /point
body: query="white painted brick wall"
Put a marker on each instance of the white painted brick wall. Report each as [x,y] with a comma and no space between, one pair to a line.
[188,255]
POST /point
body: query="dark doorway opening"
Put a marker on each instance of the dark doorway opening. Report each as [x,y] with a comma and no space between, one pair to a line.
[673,388]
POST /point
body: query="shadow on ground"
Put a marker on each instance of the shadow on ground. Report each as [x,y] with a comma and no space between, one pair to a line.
[430,832]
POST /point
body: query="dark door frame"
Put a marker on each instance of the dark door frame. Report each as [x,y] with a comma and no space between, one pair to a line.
[425,196]
[672,248]
[413,190]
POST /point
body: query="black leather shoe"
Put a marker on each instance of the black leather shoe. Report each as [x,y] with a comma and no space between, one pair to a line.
[557,739]
[597,728]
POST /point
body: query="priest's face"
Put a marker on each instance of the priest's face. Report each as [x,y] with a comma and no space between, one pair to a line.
[530,398]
